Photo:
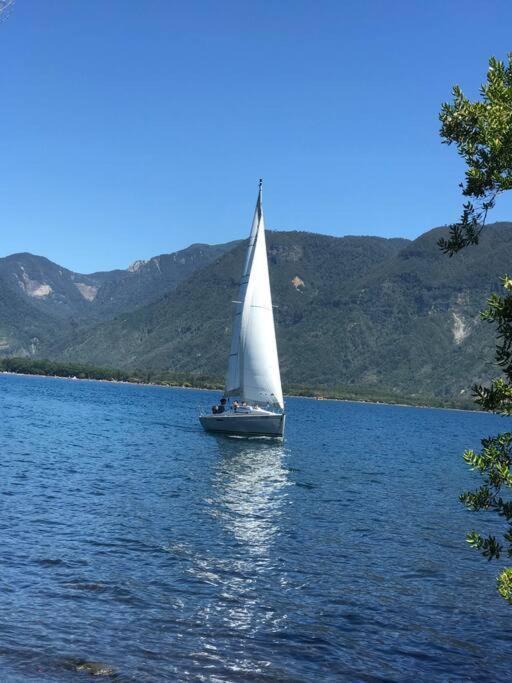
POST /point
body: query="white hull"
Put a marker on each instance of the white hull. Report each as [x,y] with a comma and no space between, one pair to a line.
[245,425]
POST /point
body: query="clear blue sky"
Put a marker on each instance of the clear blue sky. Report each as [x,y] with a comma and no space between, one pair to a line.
[132,128]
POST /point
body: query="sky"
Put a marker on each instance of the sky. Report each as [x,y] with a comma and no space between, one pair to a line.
[130,129]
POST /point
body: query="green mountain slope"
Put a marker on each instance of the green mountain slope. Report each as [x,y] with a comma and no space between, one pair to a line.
[42,302]
[50,288]
[22,326]
[361,314]
[410,325]
[355,312]
[189,329]
[146,281]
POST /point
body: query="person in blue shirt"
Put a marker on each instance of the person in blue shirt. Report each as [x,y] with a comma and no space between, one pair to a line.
[221,408]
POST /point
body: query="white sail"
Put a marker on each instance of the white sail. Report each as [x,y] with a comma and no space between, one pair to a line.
[253,370]
[233,378]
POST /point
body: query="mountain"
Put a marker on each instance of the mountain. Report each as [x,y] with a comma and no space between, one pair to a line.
[362,314]
[189,329]
[353,312]
[50,288]
[22,325]
[146,281]
[43,302]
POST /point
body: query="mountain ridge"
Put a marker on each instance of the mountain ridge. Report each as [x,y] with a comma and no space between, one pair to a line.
[382,314]
[61,300]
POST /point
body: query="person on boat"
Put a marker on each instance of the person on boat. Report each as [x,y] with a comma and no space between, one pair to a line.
[220,408]
[244,408]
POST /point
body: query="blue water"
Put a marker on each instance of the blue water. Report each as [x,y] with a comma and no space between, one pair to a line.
[139,548]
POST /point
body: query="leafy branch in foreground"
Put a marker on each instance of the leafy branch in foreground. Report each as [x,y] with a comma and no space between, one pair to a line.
[495,459]
[497,397]
[493,463]
[482,132]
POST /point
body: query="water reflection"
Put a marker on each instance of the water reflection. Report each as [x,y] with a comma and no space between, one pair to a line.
[249,491]
[247,499]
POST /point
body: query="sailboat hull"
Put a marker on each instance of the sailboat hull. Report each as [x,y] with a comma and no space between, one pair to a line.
[245,425]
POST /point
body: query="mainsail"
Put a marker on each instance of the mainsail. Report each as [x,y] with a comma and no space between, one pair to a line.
[253,370]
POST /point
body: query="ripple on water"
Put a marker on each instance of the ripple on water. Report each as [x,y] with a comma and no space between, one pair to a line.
[135,547]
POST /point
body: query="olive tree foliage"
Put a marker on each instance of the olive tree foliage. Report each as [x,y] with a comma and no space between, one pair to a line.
[482,132]
[494,461]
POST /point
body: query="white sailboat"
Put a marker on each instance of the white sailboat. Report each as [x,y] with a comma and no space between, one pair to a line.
[254,397]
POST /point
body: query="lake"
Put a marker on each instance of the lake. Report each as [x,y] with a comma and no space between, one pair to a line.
[136,547]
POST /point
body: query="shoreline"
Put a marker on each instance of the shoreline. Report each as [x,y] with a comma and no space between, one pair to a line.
[168,385]
[161,385]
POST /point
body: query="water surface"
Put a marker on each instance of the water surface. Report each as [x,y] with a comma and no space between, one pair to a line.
[136,547]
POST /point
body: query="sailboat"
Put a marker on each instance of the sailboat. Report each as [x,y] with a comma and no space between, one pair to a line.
[253,397]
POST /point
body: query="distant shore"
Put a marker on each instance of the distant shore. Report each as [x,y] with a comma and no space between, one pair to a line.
[78,371]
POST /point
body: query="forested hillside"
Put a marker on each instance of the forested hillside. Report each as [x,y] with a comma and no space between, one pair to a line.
[356,312]
[42,302]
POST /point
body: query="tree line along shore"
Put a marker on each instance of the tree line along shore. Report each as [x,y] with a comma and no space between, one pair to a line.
[50,368]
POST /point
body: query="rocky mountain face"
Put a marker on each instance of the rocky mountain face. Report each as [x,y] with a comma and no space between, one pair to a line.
[145,281]
[51,288]
[386,315]
[43,302]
